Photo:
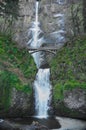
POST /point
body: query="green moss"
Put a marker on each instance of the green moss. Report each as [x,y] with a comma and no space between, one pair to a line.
[68,69]
[24,88]
[72,113]
[58,92]
[17,69]
[5,87]
[17,57]
[74,84]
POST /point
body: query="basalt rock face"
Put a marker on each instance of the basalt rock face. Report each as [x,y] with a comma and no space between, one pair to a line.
[74,104]
[75,99]
[21,105]
[48,17]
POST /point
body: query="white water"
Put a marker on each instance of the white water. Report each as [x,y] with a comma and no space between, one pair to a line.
[60,1]
[42,89]
[42,86]
[36,26]
[71,124]
[35,40]
[59,35]
[35,44]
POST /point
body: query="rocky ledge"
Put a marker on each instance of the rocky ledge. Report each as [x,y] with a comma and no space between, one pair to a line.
[6,125]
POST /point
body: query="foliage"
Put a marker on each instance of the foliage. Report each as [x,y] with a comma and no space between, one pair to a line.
[17,69]
[58,92]
[7,81]
[68,69]
[17,57]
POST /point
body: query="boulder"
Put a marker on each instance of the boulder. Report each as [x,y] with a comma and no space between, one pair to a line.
[7,125]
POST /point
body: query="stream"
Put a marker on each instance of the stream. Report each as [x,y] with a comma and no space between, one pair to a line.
[54,123]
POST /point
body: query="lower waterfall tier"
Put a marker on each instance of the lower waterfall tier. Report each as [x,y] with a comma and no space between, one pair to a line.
[42,93]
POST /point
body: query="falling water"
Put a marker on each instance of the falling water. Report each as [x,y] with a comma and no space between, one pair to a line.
[34,42]
[42,86]
[36,38]
[36,26]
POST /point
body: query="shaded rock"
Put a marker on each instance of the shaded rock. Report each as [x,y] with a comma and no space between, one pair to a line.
[39,126]
[44,66]
[6,125]
[20,105]
[73,105]
[75,99]
[20,99]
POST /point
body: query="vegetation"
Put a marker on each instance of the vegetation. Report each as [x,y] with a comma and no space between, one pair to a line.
[68,69]
[17,69]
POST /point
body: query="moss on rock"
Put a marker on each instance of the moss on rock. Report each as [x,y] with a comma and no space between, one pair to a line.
[68,74]
[17,70]
[68,69]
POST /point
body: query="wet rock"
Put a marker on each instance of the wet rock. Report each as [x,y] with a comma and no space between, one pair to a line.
[6,125]
[38,126]
[44,66]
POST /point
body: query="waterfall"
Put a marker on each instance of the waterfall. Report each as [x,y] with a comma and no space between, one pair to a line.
[36,26]
[36,38]
[42,86]
[42,89]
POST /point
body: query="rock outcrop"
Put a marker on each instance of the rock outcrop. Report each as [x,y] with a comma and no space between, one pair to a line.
[74,104]
[75,99]
[21,105]
[48,17]
[7,125]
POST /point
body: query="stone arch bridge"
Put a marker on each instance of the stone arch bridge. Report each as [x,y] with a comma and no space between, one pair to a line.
[51,49]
